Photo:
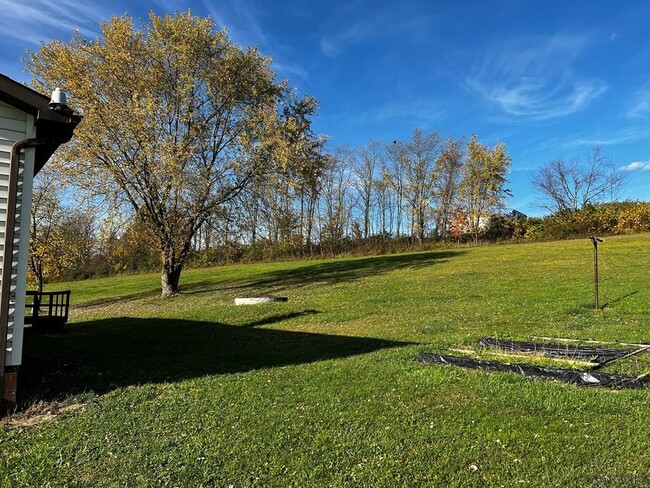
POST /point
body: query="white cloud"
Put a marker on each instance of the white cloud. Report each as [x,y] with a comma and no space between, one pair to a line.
[357,32]
[539,99]
[290,70]
[637,166]
[533,78]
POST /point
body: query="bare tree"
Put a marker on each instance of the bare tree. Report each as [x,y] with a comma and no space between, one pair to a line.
[336,197]
[569,186]
[384,200]
[369,159]
[421,153]
[393,175]
[448,173]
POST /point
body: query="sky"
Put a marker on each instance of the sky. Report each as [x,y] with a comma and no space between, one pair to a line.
[549,79]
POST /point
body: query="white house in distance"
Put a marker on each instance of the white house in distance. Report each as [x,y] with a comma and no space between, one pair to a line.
[32,127]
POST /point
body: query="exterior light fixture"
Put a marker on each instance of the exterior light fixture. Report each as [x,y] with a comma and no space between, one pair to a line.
[59,101]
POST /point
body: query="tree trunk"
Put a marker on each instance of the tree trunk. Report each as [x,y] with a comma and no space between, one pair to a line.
[36,267]
[39,282]
[169,277]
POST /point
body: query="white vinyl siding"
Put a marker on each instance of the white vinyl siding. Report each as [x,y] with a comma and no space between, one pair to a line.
[16,125]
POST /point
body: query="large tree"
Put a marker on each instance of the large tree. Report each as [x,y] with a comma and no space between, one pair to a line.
[177,121]
[570,185]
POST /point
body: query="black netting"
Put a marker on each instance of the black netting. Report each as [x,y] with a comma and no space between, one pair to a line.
[594,354]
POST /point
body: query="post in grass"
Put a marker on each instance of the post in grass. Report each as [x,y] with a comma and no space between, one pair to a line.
[596,240]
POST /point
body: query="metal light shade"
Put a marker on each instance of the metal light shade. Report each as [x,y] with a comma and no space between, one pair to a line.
[58,99]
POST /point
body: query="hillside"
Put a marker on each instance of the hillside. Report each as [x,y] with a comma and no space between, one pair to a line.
[323,390]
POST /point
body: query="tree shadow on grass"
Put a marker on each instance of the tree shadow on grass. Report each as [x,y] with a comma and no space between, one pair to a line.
[330,272]
[313,273]
[104,301]
[102,355]
[273,319]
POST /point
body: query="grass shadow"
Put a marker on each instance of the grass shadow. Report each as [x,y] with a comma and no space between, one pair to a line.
[330,272]
[619,299]
[273,319]
[102,355]
[104,301]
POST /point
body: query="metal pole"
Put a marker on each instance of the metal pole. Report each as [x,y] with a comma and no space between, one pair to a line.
[596,240]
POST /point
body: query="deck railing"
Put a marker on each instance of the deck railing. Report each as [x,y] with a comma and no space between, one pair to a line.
[47,310]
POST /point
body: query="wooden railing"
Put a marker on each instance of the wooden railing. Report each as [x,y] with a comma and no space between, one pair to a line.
[47,310]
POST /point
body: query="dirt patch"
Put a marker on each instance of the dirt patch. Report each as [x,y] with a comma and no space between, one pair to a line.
[39,413]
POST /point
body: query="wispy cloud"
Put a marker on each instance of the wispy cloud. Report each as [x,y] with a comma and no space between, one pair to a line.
[539,99]
[383,23]
[40,20]
[245,29]
[637,166]
[640,104]
[533,78]
[289,70]
[172,5]
[241,22]
[365,29]
[420,110]
[416,112]
[628,134]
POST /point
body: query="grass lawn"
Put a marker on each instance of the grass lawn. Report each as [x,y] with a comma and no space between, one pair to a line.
[324,391]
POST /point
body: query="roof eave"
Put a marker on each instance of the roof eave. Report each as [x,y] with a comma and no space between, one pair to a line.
[50,124]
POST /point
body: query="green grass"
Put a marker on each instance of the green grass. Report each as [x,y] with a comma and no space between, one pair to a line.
[323,390]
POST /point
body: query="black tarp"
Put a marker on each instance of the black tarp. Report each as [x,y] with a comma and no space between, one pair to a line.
[574,377]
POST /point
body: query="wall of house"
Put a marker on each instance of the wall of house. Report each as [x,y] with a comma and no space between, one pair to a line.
[16,125]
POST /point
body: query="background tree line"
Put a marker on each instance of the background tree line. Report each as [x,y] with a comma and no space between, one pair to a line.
[329,202]
[375,198]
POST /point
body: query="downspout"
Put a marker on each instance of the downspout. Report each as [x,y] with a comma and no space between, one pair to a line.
[7,390]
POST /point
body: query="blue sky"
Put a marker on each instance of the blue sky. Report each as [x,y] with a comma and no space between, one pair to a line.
[548,78]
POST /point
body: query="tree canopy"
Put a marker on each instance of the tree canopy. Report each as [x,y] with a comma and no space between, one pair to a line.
[483,184]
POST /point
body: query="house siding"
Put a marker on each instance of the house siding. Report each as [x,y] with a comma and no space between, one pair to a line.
[16,125]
